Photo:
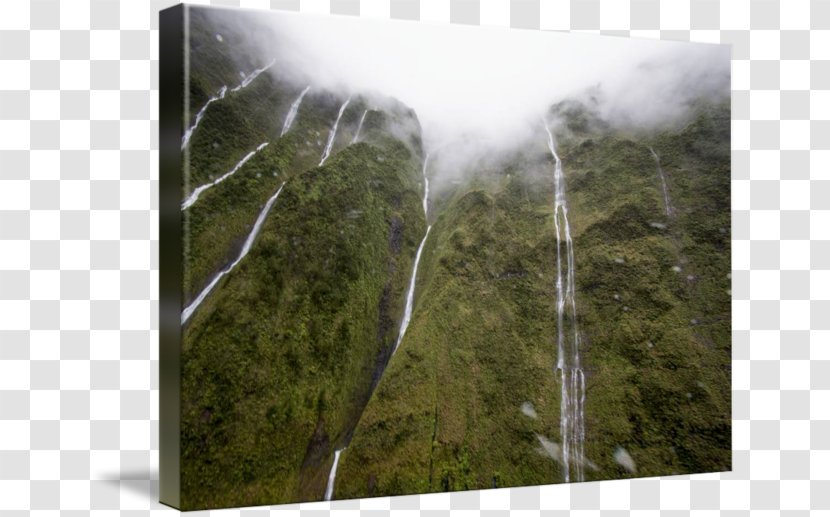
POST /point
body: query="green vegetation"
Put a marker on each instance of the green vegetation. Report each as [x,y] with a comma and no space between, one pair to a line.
[218,223]
[234,126]
[447,414]
[279,360]
[214,63]
[290,357]
[482,340]
[657,339]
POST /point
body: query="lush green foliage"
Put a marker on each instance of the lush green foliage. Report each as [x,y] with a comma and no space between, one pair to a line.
[218,223]
[220,53]
[280,359]
[286,360]
[447,414]
[653,294]
[656,341]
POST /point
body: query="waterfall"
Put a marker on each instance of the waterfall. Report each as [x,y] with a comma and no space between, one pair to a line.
[221,95]
[666,200]
[410,293]
[246,80]
[359,127]
[426,187]
[188,311]
[569,366]
[333,133]
[196,193]
[292,112]
[189,131]
[332,475]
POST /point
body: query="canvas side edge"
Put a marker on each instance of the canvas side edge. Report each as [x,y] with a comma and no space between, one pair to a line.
[171,106]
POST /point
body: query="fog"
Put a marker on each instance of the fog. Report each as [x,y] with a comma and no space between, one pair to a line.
[491,82]
[487,87]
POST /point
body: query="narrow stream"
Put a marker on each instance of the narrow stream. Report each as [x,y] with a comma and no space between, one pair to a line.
[188,311]
[569,367]
[410,298]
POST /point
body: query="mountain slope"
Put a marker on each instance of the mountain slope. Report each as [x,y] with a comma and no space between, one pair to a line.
[481,345]
[290,357]
[280,358]
[217,223]
[654,295]
[448,413]
[277,361]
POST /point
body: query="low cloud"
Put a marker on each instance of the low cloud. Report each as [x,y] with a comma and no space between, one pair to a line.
[486,88]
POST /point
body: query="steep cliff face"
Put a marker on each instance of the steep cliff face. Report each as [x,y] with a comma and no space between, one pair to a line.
[448,413]
[280,358]
[653,283]
[288,357]
[473,399]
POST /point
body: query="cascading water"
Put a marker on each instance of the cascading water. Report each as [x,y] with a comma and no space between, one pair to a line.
[359,127]
[666,200]
[189,131]
[221,95]
[196,193]
[426,189]
[410,296]
[571,376]
[246,80]
[333,133]
[332,475]
[188,311]
[292,112]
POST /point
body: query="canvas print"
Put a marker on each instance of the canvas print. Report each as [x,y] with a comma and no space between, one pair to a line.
[427,258]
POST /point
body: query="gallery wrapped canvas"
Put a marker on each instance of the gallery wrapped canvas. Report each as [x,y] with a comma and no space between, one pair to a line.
[401,258]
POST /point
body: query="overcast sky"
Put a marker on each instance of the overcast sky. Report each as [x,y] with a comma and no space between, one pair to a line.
[494,82]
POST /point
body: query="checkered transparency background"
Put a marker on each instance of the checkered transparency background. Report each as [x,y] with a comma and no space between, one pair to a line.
[79,254]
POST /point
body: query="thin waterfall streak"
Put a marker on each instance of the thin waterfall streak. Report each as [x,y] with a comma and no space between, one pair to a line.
[579,423]
[571,377]
[333,133]
[574,417]
[189,131]
[188,311]
[574,408]
[410,298]
[560,305]
[560,301]
[198,191]
[582,392]
[332,475]
[426,184]
[410,295]
[359,127]
[292,111]
[666,200]
[248,79]
[564,426]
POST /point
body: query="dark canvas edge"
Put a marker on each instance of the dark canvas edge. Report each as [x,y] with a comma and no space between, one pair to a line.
[171,104]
